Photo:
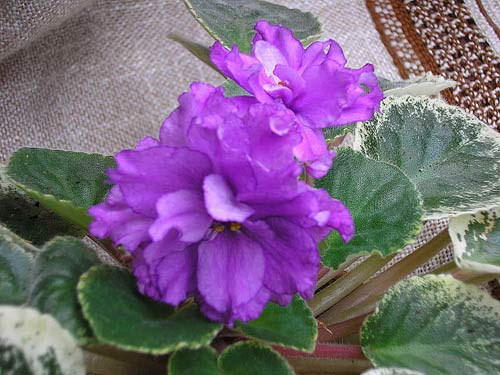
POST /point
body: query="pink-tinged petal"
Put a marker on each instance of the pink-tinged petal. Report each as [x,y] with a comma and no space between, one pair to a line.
[166,270]
[334,95]
[363,107]
[230,274]
[220,201]
[335,53]
[314,55]
[146,175]
[313,151]
[147,142]
[269,56]
[183,210]
[202,104]
[218,54]
[114,219]
[292,259]
[282,39]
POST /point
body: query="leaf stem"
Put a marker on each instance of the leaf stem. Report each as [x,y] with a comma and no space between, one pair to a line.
[342,287]
[447,268]
[334,274]
[364,299]
[328,359]
[337,331]
[119,256]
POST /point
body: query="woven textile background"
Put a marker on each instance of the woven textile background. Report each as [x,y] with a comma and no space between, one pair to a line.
[98,75]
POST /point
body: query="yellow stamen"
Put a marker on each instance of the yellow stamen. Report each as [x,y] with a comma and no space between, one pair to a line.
[219,228]
[235,226]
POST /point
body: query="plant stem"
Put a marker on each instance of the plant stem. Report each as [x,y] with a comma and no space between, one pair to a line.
[364,299]
[328,359]
[447,268]
[342,287]
[333,274]
[337,331]
[119,256]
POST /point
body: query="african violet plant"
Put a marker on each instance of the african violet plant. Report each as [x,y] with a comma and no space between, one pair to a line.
[218,226]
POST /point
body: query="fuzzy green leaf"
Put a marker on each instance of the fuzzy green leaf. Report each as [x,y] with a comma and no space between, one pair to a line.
[27,218]
[55,277]
[67,183]
[451,156]
[232,21]
[112,305]
[292,326]
[16,262]
[436,325]
[244,358]
[384,203]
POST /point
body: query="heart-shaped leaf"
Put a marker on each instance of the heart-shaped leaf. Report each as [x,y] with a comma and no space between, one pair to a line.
[384,203]
[476,241]
[35,344]
[112,304]
[67,183]
[55,277]
[27,218]
[451,156]
[16,262]
[292,326]
[244,358]
[232,21]
[436,325]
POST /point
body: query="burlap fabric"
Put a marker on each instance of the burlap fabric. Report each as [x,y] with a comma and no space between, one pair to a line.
[98,75]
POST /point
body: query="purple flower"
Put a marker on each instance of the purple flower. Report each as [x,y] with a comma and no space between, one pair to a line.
[215,210]
[313,82]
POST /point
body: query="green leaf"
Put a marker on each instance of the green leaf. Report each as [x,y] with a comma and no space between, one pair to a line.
[232,21]
[27,218]
[292,326]
[55,277]
[452,157]
[391,371]
[232,89]
[16,261]
[67,183]
[243,358]
[384,203]
[35,344]
[112,304]
[436,325]
[427,84]
[476,241]
[202,361]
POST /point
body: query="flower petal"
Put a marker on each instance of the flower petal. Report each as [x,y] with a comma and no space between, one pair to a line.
[142,182]
[183,210]
[292,259]
[220,201]
[115,219]
[165,270]
[230,274]
[314,152]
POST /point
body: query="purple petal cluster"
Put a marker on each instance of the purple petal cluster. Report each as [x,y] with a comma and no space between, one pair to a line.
[312,82]
[214,209]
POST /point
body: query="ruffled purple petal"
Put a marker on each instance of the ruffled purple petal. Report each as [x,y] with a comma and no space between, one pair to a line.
[230,274]
[116,220]
[292,258]
[183,210]
[220,201]
[313,151]
[146,175]
[166,270]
